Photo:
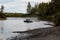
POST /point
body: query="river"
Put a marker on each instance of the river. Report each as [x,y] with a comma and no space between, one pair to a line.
[17,24]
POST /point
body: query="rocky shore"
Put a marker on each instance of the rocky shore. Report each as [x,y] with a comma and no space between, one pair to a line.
[52,33]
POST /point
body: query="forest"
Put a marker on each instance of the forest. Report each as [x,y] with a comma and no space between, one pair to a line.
[48,11]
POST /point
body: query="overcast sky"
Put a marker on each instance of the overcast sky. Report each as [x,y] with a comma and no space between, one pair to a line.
[18,5]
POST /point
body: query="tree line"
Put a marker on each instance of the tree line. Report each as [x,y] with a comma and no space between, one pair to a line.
[46,11]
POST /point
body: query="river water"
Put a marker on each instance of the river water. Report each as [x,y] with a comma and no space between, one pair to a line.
[17,24]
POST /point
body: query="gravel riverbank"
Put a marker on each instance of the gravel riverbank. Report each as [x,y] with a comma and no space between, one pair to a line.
[52,33]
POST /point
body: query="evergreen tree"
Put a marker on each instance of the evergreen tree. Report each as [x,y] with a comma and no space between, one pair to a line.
[2,8]
[2,15]
[29,8]
[34,9]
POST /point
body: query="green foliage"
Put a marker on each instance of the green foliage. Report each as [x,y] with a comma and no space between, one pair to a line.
[2,16]
[2,8]
[29,8]
[55,4]
[42,10]
[14,14]
[49,11]
[57,19]
[34,10]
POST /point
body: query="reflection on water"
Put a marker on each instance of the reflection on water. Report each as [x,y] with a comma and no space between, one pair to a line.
[17,24]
